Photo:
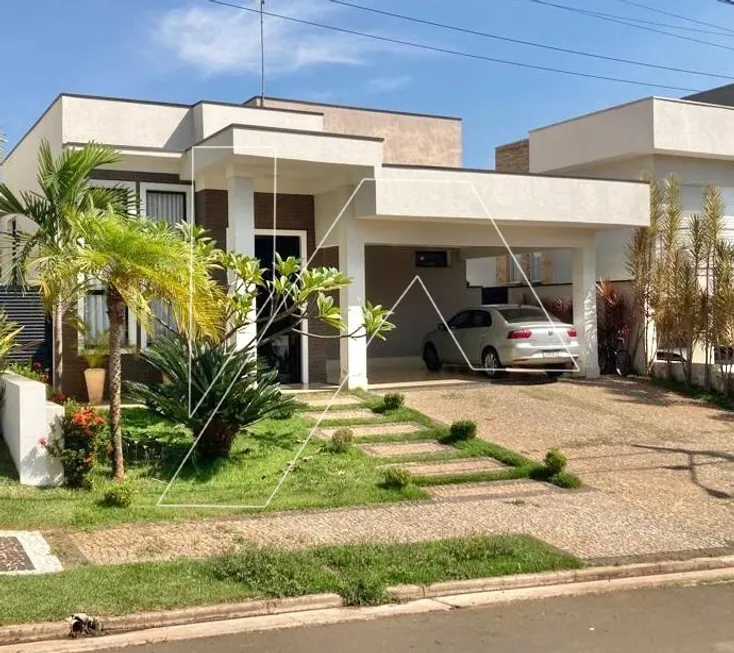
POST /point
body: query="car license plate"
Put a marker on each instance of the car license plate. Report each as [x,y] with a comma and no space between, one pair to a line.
[553,354]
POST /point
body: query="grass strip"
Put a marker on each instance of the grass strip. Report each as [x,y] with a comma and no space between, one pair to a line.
[359,573]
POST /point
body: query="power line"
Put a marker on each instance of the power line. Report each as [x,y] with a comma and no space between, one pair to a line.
[600,16]
[507,39]
[684,28]
[458,53]
[674,15]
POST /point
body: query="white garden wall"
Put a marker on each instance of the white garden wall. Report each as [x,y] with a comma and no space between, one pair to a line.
[26,418]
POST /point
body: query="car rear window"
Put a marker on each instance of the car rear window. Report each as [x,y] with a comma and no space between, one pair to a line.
[525,314]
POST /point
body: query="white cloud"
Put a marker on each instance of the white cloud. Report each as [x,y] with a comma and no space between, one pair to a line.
[387,84]
[220,40]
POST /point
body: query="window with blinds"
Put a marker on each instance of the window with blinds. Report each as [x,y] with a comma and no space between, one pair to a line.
[170,207]
[167,206]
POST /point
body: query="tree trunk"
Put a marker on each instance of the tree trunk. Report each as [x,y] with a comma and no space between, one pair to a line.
[58,346]
[217,440]
[116,315]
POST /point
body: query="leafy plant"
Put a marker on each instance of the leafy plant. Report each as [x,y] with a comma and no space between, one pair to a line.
[33,371]
[81,427]
[395,477]
[284,412]
[393,400]
[566,480]
[341,441]
[96,349]
[367,589]
[463,429]
[555,461]
[229,390]
[118,496]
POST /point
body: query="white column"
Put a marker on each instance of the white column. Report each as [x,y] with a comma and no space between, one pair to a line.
[241,238]
[352,351]
[584,308]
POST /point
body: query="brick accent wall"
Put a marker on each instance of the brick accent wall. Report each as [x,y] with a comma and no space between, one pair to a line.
[513,157]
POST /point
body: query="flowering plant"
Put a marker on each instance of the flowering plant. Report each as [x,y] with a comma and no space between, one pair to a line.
[81,427]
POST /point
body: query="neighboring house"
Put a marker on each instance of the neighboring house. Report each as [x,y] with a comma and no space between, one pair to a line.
[381,194]
[692,138]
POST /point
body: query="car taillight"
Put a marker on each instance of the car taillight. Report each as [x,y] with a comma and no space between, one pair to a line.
[571,333]
[520,334]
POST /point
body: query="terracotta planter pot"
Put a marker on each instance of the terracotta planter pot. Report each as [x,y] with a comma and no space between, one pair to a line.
[95,377]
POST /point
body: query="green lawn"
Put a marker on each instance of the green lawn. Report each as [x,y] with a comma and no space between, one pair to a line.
[243,482]
[360,573]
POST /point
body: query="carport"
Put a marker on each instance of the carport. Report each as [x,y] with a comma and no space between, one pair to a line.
[388,224]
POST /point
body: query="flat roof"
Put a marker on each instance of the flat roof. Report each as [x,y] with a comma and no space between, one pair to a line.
[256,98]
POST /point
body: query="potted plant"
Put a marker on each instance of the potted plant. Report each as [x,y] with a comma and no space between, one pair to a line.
[94,354]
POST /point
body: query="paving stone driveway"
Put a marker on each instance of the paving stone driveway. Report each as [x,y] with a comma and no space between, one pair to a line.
[664,454]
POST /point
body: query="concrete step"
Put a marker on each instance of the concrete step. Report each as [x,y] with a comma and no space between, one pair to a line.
[408,448]
[365,430]
[445,467]
[351,413]
[322,401]
[517,488]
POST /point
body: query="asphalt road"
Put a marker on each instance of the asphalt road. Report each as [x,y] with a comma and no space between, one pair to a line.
[678,620]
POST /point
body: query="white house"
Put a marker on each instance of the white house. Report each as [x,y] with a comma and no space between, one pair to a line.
[380,194]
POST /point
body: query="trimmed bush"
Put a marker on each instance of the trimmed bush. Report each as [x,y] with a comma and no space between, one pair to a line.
[284,413]
[463,429]
[393,400]
[566,480]
[118,496]
[555,462]
[341,441]
[395,477]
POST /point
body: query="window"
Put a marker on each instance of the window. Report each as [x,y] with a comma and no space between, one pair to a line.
[461,320]
[167,206]
[525,314]
[536,266]
[170,207]
[436,258]
[514,275]
[480,319]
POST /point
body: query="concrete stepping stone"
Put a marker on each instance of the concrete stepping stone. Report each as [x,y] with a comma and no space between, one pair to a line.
[366,430]
[23,552]
[409,448]
[445,467]
[324,401]
[356,413]
[500,489]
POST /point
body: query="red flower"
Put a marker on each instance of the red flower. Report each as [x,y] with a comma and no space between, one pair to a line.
[43,443]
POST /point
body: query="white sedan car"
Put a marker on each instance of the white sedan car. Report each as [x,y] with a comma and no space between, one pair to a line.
[498,336]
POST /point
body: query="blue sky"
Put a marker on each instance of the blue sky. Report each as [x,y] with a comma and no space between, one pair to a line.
[186,50]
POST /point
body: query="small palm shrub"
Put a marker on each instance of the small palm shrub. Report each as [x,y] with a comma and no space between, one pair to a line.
[395,477]
[566,480]
[118,496]
[248,393]
[555,462]
[81,427]
[341,441]
[393,400]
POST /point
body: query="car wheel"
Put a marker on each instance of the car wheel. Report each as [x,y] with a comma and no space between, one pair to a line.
[430,358]
[491,363]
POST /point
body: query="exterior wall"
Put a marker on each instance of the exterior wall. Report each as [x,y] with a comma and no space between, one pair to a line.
[26,418]
[211,117]
[409,139]
[513,157]
[622,131]
[389,270]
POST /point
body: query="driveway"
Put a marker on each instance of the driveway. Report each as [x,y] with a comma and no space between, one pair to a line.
[668,455]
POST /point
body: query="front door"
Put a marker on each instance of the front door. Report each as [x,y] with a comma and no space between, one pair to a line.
[283,351]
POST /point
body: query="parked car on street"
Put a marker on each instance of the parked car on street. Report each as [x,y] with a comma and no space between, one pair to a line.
[499,336]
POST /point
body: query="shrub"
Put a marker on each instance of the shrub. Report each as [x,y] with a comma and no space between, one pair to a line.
[219,373]
[555,462]
[286,412]
[463,429]
[566,480]
[341,441]
[76,449]
[366,590]
[33,371]
[393,400]
[395,477]
[118,496]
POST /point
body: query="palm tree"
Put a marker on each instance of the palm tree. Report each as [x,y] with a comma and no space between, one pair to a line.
[65,192]
[137,261]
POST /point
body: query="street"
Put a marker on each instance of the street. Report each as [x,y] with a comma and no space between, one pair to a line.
[677,620]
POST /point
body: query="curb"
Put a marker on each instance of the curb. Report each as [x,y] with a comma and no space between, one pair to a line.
[29,633]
